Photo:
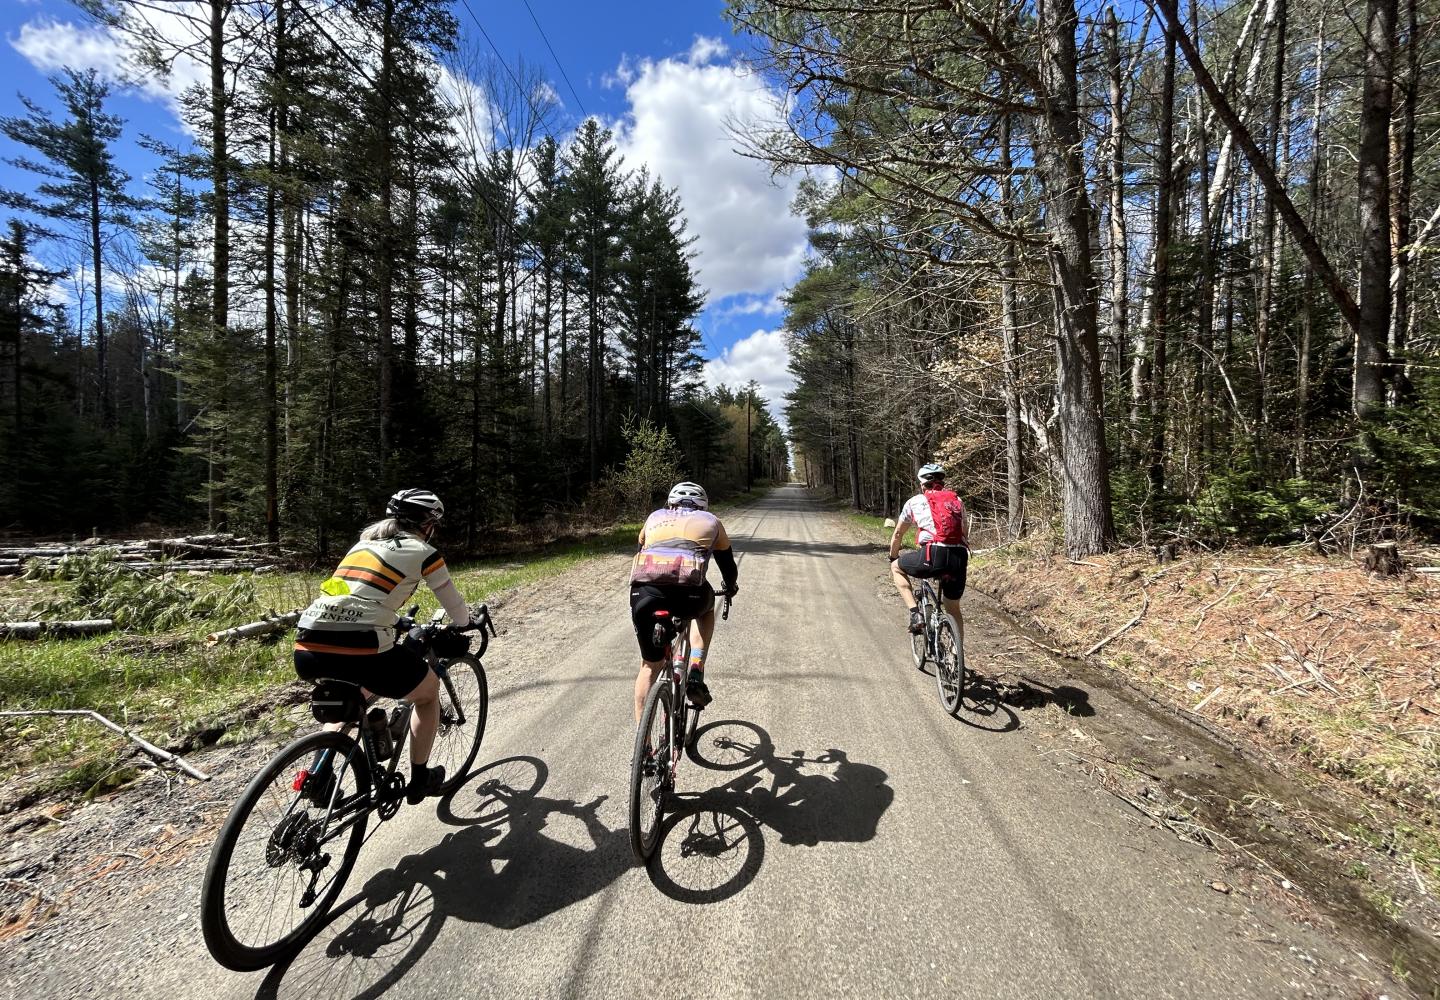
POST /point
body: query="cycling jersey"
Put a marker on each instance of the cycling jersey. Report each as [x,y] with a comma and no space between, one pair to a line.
[362,599]
[917,512]
[675,549]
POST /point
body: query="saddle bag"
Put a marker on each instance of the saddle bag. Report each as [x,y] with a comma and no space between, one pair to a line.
[335,701]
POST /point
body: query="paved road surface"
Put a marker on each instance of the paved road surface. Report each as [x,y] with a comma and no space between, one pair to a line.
[870,846]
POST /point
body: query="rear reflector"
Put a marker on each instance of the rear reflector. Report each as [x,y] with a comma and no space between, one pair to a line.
[299,781]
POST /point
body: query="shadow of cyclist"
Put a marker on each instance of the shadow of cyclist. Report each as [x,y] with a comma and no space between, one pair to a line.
[713,844]
[505,866]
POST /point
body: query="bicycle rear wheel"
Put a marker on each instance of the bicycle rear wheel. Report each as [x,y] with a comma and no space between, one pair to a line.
[950,663]
[649,771]
[271,876]
[919,641]
[463,691]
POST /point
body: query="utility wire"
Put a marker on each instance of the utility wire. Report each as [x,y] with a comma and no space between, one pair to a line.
[519,87]
[558,64]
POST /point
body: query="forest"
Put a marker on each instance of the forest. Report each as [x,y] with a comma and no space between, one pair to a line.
[381,258]
[1148,272]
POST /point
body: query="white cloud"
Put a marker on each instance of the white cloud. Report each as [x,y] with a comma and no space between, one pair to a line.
[764,357]
[680,110]
[51,45]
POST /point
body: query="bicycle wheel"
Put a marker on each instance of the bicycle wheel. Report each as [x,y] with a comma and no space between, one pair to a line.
[949,663]
[919,641]
[271,876]
[463,689]
[649,771]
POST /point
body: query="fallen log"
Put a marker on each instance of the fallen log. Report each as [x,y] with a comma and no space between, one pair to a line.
[264,626]
[34,630]
[164,756]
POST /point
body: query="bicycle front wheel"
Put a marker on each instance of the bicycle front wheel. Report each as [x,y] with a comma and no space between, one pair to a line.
[464,708]
[650,770]
[285,851]
[919,641]
[950,663]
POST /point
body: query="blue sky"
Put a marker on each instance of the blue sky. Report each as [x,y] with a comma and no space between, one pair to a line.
[666,76]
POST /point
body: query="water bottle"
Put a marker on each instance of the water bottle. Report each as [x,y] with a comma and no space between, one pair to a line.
[375,721]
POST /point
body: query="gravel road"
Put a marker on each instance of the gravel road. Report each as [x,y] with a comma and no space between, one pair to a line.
[865,845]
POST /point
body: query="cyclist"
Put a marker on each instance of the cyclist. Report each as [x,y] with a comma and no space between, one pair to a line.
[668,574]
[348,633]
[938,517]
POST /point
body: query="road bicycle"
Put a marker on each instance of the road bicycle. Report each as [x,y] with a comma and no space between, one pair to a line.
[290,841]
[942,642]
[667,726]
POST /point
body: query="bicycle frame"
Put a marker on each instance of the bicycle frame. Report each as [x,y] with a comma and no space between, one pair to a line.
[681,711]
[351,805]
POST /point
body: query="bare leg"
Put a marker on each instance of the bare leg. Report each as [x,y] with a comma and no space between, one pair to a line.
[649,670]
[953,608]
[902,584]
[426,717]
[701,629]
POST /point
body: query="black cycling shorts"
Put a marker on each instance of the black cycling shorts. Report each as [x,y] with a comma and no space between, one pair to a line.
[682,602]
[393,673]
[947,563]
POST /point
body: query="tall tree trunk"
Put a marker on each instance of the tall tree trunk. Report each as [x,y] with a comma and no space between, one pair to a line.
[1160,311]
[1402,167]
[1119,238]
[272,317]
[1089,524]
[1010,345]
[1264,307]
[220,292]
[1307,319]
[1373,154]
[384,250]
[102,368]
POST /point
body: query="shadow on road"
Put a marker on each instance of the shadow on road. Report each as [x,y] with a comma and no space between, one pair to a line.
[713,845]
[1027,694]
[499,868]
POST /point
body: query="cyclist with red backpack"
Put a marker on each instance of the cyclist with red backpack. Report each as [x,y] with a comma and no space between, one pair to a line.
[938,517]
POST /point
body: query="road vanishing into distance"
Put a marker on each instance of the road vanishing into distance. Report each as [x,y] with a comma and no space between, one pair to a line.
[840,836]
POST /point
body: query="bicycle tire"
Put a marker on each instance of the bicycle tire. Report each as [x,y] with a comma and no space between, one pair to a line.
[457,746]
[949,664]
[216,921]
[643,838]
[920,641]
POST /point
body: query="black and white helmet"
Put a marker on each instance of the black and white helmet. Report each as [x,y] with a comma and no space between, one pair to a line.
[420,507]
[688,495]
[933,470]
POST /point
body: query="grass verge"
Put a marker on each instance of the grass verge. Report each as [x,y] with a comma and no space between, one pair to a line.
[171,688]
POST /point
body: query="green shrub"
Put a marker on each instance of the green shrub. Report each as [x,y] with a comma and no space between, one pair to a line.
[1239,504]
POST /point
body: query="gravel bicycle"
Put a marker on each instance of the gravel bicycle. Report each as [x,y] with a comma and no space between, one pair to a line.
[942,642]
[289,843]
[667,727]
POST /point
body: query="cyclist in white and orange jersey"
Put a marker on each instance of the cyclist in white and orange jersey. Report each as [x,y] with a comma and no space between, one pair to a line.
[348,633]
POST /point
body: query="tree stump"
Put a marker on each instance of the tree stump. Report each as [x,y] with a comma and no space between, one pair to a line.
[1383,559]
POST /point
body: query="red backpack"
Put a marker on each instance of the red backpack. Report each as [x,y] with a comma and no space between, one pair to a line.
[949,515]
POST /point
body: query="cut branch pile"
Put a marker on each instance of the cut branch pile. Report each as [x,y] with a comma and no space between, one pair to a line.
[197,553]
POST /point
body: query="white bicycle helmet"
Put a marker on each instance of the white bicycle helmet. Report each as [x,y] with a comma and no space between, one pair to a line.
[933,470]
[416,507]
[689,495]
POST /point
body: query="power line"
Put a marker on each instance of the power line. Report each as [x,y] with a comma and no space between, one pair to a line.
[558,64]
[519,87]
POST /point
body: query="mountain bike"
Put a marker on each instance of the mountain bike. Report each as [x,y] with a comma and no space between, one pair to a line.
[290,841]
[942,642]
[667,727]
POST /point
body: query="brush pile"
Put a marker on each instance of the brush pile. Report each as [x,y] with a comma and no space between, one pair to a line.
[195,553]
